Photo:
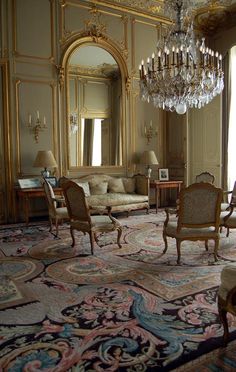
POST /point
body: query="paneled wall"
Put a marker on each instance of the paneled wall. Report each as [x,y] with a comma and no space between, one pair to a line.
[35,35]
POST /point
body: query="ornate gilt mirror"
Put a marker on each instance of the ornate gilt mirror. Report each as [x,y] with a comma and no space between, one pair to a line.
[95,106]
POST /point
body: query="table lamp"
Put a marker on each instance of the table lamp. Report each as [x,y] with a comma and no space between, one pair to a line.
[149,158]
[45,159]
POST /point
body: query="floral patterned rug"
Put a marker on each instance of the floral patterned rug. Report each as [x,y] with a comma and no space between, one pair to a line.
[123,309]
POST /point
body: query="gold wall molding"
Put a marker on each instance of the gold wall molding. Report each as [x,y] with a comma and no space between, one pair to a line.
[16,53]
[134,22]
[6,131]
[3,32]
[135,8]
[53,126]
[93,27]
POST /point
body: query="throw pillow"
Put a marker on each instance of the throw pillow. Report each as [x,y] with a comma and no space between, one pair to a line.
[85,186]
[116,185]
[98,188]
[129,184]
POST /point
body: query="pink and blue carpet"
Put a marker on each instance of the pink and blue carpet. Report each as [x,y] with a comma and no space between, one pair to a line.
[123,309]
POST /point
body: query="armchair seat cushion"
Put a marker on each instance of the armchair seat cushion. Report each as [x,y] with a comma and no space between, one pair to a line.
[228,280]
[201,232]
[62,212]
[100,223]
[230,222]
[224,206]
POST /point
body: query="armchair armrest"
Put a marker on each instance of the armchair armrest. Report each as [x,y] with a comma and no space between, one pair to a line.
[169,212]
[230,209]
[225,194]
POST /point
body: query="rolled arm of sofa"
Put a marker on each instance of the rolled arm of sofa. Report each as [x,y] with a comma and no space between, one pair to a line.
[142,184]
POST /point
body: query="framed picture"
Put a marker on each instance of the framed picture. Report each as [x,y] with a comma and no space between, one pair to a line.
[30,183]
[163,175]
[52,181]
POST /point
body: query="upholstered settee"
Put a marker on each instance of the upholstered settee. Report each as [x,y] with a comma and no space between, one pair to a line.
[121,193]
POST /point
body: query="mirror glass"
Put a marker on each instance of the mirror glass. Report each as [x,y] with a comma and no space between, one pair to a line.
[95,104]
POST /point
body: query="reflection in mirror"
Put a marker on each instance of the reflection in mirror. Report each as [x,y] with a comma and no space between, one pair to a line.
[95,102]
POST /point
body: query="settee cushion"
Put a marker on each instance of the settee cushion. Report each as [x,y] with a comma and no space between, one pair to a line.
[113,199]
[129,185]
[85,186]
[98,188]
[116,185]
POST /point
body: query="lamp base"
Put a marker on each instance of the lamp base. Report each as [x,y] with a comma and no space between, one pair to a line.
[149,172]
[45,173]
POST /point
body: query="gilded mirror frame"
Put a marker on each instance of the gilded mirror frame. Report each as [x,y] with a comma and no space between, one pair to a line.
[64,83]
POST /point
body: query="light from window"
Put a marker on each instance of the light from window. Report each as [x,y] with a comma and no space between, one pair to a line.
[97,143]
[232,122]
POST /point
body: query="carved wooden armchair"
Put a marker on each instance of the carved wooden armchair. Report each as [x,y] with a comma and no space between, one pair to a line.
[226,204]
[227,297]
[56,214]
[198,217]
[205,177]
[82,220]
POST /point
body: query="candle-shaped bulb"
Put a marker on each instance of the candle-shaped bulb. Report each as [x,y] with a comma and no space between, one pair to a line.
[37,114]
[44,121]
[30,119]
[153,55]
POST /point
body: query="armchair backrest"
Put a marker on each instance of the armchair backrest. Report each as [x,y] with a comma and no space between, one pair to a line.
[49,193]
[233,195]
[76,202]
[199,206]
[205,177]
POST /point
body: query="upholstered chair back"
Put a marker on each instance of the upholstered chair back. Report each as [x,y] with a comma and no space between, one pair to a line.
[76,202]
[205,177]
[50,197]
[199,204]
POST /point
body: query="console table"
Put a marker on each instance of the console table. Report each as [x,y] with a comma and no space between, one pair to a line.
[27,194]
[160,185]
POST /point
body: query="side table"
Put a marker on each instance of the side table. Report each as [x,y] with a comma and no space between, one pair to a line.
[160,185]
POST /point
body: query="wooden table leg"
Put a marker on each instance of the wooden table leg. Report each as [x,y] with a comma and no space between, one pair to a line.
[26,209]
[157,193]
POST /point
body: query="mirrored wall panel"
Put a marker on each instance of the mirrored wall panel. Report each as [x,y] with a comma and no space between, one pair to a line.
[95,108]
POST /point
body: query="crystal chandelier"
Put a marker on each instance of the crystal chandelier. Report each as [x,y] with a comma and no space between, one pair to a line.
[183,73]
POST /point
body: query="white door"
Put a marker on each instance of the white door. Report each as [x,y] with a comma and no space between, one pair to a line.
[204,141]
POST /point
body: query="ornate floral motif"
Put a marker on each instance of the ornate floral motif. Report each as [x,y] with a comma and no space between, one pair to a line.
[119,317]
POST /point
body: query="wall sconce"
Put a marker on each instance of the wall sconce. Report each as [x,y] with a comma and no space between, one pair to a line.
[149,132]
[36,127]
[73,123]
